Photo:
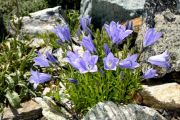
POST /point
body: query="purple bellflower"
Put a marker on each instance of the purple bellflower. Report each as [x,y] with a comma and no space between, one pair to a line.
[150,73]
[72,58]
[51,58]
[85,23]
[110,62]
[88,43]
[130,62]
[151,36]
[59,42]
[41,60]
[161,60]
[37,78]
[63,33]
[106,49]
[129,25]
[73,80]
[117,32]
[88,63]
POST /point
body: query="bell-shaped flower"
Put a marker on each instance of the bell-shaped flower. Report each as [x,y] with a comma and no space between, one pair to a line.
[88,43]
[72,58]
[117,32]
[85,23]
[51,58]
[161,60]
[73,80]
[63,32]
[41,60]
[110,62]
[129,25]
[59,42]
[37,78]
[151,36]
[106,49]
[88,63]
[130,62]
[150,73]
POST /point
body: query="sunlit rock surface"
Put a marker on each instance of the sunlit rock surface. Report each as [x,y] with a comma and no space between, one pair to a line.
[40,21]
[50,110]
[29,110]
[111,111]
[165,96]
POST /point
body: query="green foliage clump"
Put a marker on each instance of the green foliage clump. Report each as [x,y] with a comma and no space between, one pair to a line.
[104,85]
[20,7]
[25,6]
[15,62]
[73,20]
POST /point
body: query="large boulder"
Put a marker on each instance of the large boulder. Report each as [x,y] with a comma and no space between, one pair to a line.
[40,21]
[178,5]
[107,10]
[169,24]
[111,111]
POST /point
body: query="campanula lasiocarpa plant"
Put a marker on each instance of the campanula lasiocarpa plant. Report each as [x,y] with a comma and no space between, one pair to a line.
[95,68]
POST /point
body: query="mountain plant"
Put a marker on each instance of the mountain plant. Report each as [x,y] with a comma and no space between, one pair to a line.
[15,58]
[99,66]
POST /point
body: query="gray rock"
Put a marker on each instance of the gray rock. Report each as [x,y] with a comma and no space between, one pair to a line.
[51,111]
[170,41]
[178,5]
[40,21]
[29,111]
[111,111]
[108,10]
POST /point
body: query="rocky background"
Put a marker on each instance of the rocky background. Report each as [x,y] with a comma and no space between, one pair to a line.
[160,97]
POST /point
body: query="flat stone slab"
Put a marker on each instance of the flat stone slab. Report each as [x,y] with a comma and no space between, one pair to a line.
[165,96]
[29,110]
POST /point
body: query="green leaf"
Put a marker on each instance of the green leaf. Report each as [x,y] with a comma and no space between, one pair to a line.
[10,81]
[13,99]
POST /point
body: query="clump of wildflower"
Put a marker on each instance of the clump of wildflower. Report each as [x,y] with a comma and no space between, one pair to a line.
[129,25]
[72,58]
[117,32]
[106,49]
[151,36]
[88,63]
[85,23]
[130,62]
[73,80]
[150,73]
[161,60]
[41,60]
[88,43]
[63,33]
[37,78]
[110,62]
[51,58]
